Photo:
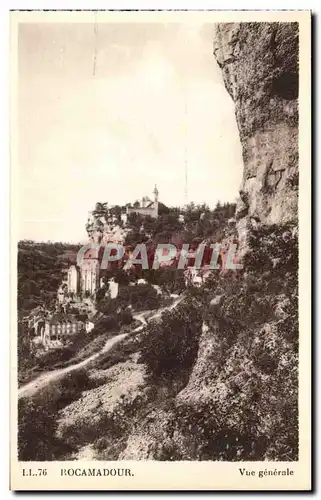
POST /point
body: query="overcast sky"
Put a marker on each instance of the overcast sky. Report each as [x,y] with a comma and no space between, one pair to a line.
[109,130]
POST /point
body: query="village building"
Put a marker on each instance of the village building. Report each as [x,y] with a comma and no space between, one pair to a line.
[90,270]
[89,325]
[113,288]
[192,277]
[73,279]
[124,218]
[61,293]
[57,327]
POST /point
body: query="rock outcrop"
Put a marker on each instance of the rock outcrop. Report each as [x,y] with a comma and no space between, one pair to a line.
[259,62]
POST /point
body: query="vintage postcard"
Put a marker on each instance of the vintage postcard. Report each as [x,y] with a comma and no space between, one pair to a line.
[160,242]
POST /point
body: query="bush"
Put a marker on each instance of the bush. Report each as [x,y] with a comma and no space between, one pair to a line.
[251,408]
[36,434]
[140,297]
[273,248]
[50,358]
[170,279]
[94,346]
[107,305]
[72,385]
[171,345]
[105,324]
[125,317]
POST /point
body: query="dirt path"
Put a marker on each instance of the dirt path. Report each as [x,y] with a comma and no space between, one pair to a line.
[35,385]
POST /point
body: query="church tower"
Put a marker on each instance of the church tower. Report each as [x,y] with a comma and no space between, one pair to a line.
[90,271]
[156,193]
[73,280]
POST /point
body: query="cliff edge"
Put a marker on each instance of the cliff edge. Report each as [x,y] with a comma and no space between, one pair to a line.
[259,63]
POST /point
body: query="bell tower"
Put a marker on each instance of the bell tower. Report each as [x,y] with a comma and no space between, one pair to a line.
[156,193]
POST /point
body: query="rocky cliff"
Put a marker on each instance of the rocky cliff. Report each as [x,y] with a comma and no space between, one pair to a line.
[259,62]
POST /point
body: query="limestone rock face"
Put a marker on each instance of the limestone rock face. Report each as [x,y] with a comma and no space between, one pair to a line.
[259,62]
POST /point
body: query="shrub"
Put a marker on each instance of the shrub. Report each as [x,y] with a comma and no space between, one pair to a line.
[36,434]
[105,324]
[273,248]
[118,354]
[293,180]
[107,305]
[72,385]
[50,358]
[125,317]
[251,412]
[141,297]
[170,279]
[171,345]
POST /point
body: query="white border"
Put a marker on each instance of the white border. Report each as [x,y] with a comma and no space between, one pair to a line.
[4,141]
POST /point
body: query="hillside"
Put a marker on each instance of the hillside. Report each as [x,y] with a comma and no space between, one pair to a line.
[200,382]
[41,267]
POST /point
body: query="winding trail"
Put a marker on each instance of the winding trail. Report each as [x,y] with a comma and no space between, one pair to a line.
[35,385]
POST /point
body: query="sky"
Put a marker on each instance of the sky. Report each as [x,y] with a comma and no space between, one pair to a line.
[106,111]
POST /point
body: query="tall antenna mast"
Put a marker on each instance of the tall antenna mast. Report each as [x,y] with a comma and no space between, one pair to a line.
[185,152]
[95,48]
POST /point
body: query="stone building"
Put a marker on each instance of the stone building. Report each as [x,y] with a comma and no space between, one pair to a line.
[56,327]
[61,293]
[113,288]
[90,270]
[73,279]
[193,277]
[146,206]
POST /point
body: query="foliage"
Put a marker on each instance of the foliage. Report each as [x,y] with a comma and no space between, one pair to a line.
[293,180]
[170,345]
[140,297]
[26,350]
[251,412]
[169,279]
[246,359]
[37,417]
[40,271]
[107,305]
[199,222]
[125,317]
[106,324]
[273,248]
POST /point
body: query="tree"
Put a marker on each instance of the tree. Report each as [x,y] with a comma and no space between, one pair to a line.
[26,351]
[140,297]
[40,272]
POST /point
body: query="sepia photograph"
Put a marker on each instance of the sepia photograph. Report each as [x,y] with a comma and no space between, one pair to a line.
[156,225]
